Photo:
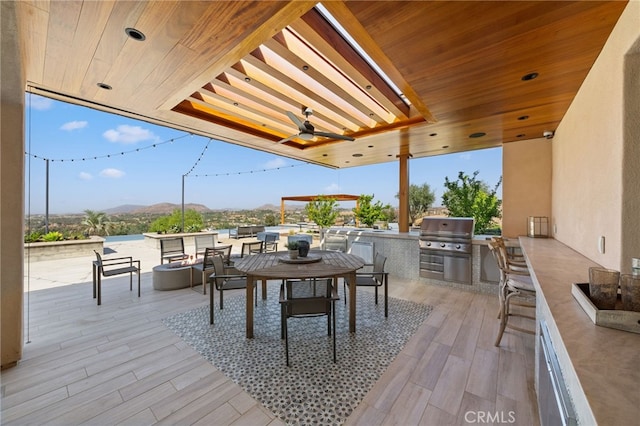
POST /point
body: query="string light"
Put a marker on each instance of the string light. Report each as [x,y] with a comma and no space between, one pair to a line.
[163,143]
[251,171]
[108,155]
[199,158]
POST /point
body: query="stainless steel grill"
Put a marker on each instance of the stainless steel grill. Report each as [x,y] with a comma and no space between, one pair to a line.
[445,248]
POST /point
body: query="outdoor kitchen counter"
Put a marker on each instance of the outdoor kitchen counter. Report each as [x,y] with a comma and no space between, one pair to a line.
[403,257]
[601,366]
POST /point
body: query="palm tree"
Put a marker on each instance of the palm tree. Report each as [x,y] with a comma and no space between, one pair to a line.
[96,222]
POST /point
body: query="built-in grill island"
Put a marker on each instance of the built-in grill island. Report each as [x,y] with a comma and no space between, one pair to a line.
[445,248]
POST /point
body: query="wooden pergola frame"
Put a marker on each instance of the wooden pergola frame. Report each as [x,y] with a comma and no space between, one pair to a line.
[307,198]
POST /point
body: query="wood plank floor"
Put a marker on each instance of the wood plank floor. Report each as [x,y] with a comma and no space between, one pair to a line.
[118,364]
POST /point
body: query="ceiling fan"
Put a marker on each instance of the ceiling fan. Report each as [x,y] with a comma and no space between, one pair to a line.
[307,131]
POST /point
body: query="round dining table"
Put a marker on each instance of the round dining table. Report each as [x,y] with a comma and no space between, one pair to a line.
[317,264]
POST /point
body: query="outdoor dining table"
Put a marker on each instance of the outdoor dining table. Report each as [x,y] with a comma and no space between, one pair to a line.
[318,264]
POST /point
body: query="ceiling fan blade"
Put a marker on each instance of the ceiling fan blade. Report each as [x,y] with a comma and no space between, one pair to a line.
[287,139]
[334,136]
[297,121]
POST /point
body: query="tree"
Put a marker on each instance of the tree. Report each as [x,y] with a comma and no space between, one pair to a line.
[173,224]
[367,212]
[421,197]
[322,211]
[469,197]
[270,220]
[96,223]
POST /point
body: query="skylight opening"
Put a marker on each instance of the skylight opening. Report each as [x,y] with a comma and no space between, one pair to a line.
[343,32]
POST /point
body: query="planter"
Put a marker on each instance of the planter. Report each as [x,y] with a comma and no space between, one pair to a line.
[63,249]
[303,248]
[293,254]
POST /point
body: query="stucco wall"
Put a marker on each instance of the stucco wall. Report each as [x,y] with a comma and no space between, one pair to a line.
[526,184]
[11,188]
[588,153]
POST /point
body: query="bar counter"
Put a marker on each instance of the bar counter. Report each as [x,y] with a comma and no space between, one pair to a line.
[601,366]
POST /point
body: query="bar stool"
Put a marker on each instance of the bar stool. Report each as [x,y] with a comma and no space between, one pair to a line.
[514,282]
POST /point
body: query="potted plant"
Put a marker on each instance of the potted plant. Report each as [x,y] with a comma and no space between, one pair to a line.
[293,249]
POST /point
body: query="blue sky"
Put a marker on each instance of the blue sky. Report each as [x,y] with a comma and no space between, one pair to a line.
[146,175]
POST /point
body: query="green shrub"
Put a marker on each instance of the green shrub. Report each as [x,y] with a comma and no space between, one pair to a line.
[53,236]
[33,237]
[173,224]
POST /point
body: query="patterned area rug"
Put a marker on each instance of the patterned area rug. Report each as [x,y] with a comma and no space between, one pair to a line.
[312,390]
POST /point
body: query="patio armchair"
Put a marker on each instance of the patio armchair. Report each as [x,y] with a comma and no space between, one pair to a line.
[225,278]
[205,267]
[202,242]
[377,278]
[335,243]
[172,249]
[308,298]
[248,249]
[270,243]
[112,267]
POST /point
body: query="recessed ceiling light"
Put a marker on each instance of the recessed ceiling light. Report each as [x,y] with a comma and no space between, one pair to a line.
[521,135]
[445,146]
[135,34]
[433,134]
[477,135]
[368,87]
[235,104]
[324,155]
[247,79]
[389,155]
[523,117]
[370,146]
[529,76]
[305,67]
[104,86]
[357,155]
[370,114]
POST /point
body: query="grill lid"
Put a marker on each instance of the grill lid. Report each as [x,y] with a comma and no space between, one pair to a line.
[447,227]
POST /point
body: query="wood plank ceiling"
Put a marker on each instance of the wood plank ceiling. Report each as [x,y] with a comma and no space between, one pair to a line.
[232,70]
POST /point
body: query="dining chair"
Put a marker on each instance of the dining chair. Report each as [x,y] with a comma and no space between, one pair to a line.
[226,278]
[252,247]
[376,278]
[308,298]
[112,267]
[270,243]
[205,267]
[513,283]
[365,250]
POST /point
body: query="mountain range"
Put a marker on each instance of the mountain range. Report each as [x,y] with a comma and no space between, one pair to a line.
[168,208]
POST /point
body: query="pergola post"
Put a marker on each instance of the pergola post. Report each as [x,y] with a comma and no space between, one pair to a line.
[403,179]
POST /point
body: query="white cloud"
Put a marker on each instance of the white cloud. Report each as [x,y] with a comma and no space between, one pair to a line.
[112,173]
[465,156]
[275,163]
[38,102]
[333,188]
[74,125]
[85,176]
[128,134]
